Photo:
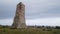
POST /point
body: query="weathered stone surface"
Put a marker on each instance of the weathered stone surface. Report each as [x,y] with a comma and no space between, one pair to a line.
[19,19]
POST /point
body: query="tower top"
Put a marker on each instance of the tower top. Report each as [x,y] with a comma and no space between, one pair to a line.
[20,3]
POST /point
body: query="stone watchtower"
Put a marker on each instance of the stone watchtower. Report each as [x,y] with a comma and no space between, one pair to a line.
[19,19]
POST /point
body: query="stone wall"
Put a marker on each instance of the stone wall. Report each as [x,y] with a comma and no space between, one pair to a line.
[19,19]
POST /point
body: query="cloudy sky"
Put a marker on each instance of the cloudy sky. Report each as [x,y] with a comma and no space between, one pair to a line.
[38,12]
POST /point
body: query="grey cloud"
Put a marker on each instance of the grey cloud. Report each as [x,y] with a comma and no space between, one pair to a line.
[7,11]
[48,8]
[8,8]
[34,9]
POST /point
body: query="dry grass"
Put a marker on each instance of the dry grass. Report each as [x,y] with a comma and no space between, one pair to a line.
[28,31]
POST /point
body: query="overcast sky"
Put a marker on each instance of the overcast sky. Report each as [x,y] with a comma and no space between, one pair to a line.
[38,12]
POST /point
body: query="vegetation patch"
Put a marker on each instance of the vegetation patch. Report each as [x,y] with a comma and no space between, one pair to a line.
[28,31]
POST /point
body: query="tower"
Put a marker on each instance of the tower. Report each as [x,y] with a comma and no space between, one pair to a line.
[19,19]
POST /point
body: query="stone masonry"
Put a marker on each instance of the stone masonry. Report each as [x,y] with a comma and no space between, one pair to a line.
[19,19]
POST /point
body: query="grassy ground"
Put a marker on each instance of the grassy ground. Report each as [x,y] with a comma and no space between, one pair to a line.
[29,31]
